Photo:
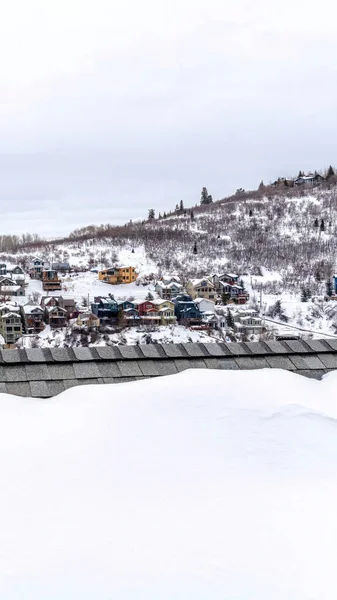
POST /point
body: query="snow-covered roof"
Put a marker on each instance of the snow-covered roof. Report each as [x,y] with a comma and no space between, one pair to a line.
[244,319]
[10,315]
[30,308]
[199,300]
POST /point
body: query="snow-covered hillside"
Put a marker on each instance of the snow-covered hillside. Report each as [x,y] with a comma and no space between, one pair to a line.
[201,485]
[284,245]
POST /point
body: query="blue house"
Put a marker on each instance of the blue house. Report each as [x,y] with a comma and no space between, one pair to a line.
[335,283]
[187,311]
[106,309]
[125,304]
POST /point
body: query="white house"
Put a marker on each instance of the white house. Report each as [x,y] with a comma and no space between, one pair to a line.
[205,305]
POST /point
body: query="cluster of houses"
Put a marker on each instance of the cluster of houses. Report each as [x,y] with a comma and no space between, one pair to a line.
[303,180]
[199,313]
[198,304]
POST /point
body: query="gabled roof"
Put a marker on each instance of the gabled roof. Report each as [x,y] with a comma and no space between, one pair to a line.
[51,309]
[28,309]
[10,315]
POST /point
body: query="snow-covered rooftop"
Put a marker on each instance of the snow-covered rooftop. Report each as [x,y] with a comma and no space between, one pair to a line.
[171,489]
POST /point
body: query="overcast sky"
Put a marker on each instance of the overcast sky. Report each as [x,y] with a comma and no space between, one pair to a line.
[110,108]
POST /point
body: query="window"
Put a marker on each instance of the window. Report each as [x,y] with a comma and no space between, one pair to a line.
[17,328]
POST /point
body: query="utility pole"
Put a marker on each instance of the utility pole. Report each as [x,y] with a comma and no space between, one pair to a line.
[261,299]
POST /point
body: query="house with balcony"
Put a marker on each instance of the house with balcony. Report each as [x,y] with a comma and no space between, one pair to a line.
[165,309]
[187,312]
[11,327]
[106,309]
[56,317]
[8,287]
[247,322]
[148,312]
[201,288]
[168,289]
[17,274]
[32,318]
[118,275]
[50,281]
[36,267]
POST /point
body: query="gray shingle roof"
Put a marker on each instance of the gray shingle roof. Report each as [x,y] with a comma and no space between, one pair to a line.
[42,373]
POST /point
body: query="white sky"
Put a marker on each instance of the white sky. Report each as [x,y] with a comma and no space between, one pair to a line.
[109,108]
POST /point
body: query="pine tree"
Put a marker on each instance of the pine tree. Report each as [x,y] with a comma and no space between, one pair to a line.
[149,296]
[329,288]
[250,212]
[330,172]
[242,285]
[225,298]
[177,208]
[159,216]
[261,186]
[204,196]
[286,183]
[195,248]
[181,206]
[304,295]
[192,215]
[230,320]
[322,226]
[151,213]
[316,223]
[164,215]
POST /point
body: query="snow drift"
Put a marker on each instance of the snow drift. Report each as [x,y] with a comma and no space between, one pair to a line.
[204,485]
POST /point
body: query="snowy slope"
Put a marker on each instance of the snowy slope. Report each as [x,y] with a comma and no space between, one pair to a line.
[204,485]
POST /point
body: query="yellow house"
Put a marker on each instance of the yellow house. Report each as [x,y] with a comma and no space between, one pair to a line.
[117,275]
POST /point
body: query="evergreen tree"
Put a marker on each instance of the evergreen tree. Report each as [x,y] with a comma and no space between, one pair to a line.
[159,216]
[304,295]
[322,226]
[300,174]
[192,215]
[205,197]
[181,206]
[164,215]
[316,223]
[195,248]
[225,298]
[242,285]
[329,287]
[230,320]
[330,172]
[151,213]
[177,208]
[286,183]
[250,212]
[149,297]
[261,186]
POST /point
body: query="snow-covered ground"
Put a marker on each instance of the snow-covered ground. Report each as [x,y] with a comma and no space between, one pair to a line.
[205,485]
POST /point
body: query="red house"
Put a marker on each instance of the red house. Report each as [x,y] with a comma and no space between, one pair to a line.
[146,308]
[148,312]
